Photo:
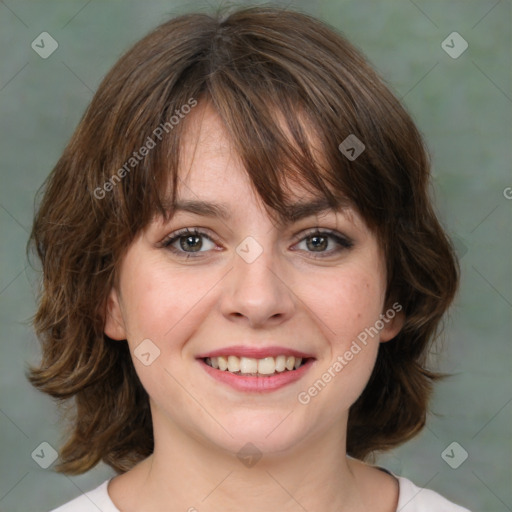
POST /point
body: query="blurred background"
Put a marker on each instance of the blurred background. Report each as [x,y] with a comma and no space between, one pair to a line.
[461,100]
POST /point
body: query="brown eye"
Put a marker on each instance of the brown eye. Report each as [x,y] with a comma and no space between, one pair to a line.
[317,243]
[186,242]
[192,242]
[325,243]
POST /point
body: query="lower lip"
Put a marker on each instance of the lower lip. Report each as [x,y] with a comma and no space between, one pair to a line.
[257,384]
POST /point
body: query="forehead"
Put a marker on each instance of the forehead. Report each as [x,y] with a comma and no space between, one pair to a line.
[209,160]
[207,156]
[212,176]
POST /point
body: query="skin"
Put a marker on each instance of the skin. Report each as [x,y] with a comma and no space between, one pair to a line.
[286,297]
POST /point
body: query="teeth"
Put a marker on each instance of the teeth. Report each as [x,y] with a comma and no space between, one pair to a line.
[248,365]
[251,366]
[267,366]
[222,362]
[233,364]
[280,363]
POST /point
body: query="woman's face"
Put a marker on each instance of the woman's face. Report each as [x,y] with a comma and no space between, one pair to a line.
[254,295]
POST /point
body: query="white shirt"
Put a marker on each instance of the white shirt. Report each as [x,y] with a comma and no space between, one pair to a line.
[411,499]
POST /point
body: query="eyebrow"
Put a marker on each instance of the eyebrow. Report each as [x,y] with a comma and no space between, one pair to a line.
[294,213]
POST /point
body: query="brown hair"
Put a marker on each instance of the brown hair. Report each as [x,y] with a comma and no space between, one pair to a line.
[250,65]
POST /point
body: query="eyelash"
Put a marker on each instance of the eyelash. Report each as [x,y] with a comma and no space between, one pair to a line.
[343,242]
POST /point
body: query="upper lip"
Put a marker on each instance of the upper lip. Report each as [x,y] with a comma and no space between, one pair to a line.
[254,352]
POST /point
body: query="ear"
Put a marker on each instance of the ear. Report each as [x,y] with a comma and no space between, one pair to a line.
[114,321]
[393,319]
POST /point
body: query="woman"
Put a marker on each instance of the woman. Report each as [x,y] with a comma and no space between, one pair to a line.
[243,275]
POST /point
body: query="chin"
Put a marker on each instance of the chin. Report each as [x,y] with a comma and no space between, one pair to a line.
[269,432]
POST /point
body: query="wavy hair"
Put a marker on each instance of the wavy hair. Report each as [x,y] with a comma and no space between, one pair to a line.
[256,66]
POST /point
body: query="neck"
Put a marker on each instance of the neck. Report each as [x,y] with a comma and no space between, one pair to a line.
[188,474]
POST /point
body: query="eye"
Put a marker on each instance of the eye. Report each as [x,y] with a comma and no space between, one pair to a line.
[190,243]
[319,241]
[186,242]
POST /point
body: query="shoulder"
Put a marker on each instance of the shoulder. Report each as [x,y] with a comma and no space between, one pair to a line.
[417,499]
[92,501]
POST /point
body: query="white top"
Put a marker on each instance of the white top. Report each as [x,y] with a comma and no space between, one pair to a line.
[411,499]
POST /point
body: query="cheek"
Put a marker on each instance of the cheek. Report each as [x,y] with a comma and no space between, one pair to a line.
[163,303]
[346,303]
[348,309]
[147,299]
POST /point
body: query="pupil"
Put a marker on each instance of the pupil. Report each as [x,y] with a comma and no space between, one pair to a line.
[315,242]
[194,242]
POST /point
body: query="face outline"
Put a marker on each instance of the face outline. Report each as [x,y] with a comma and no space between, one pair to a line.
[286,297]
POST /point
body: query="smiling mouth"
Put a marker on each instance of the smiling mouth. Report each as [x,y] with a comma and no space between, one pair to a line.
[252,367]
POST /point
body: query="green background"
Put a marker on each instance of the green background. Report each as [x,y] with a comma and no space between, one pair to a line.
[462,106]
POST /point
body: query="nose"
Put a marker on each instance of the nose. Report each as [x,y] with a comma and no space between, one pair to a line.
[258,293]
